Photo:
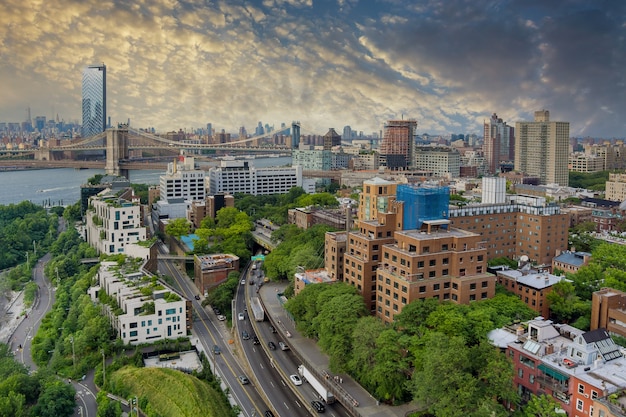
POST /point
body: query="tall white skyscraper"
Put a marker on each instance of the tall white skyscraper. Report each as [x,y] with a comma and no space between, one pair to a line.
[94,100]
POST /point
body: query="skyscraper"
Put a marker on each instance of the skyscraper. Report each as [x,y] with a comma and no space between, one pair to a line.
[542,149]
[347,133]
[397,150]
[498,143]
[94,99]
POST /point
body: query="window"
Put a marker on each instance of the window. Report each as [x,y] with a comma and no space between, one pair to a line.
[473,286]
[432,262]
[425,249]
[455,286]
[436,287]
[520,373]
[431,274]
[423,288]
[581,389]
[133,333]
[531,378]
[594,394]
[579,405]
[484,284]
[420,264]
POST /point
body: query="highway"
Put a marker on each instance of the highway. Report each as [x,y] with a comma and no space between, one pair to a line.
[208,331]
[271,381]
[281,363]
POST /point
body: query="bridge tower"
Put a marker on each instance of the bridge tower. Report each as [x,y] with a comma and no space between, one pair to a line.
[116,149]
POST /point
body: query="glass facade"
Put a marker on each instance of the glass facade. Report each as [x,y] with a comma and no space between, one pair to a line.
[423,203]
[94,100]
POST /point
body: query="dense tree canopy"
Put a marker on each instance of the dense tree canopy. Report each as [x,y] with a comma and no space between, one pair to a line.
[23,228]
[431,353]
[589,180]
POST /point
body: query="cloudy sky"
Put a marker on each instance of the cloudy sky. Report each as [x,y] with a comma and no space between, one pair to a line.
[449,64]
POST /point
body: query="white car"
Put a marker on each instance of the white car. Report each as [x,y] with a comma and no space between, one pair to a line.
[241,316]
[221,317]
[243,282]
[295,379]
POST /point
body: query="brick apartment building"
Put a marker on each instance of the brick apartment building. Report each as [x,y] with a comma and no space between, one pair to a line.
[511,230]
[608,310]
[578,369]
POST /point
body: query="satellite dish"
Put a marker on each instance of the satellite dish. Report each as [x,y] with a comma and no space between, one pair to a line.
[524,258]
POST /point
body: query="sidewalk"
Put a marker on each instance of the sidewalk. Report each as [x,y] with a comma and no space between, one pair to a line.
[345,389]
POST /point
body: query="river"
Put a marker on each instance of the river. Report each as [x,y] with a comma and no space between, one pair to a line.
[61,186]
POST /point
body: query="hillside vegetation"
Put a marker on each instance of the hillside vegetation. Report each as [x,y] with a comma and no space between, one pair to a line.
[169,393]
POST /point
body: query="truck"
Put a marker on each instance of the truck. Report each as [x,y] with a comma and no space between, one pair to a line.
[316,384]
[257,309]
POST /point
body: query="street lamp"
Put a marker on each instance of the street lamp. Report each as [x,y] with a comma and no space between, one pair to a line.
[104,371]
[73,352]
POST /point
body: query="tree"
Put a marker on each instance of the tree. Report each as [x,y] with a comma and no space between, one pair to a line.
[56,400]
[391,369]
[336,319]
[542,406]
[452,379]
[363,358]
[564,303]
[177,228]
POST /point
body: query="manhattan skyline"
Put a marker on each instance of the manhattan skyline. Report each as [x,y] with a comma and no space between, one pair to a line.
[447,64]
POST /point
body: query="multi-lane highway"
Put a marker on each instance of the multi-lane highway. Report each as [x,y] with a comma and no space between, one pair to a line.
[266,390]
[282,362]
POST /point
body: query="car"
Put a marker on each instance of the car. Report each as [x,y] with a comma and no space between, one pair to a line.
[243,282]
[243,380]
[268,413]
[272,329]
[256,341]
[245,335]
[216,350]
[221,317]
[217,311]
[240,316]
[266,279]
[251,281]
[271,345]
[318,406]
[197,297]
[283,346]
[295,379]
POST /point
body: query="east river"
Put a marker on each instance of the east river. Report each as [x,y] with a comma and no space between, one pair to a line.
[61,186]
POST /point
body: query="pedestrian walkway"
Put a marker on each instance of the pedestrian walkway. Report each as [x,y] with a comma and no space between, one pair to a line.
[346,390]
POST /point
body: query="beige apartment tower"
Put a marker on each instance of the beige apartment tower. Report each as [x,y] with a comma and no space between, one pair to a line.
[542,149]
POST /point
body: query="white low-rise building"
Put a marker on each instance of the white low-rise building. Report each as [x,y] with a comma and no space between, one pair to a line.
[233,177]
[148,311]
[113,221]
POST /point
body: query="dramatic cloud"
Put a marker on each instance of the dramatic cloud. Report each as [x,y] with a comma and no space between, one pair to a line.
[449,64]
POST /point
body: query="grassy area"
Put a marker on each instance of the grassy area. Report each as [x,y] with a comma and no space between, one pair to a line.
[171,393]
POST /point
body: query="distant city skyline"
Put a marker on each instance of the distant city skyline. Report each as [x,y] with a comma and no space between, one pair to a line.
[449,65]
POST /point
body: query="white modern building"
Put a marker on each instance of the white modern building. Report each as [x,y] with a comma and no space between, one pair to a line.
[148,311]
[182,181]
[242,177]
[113,221]
[181,185]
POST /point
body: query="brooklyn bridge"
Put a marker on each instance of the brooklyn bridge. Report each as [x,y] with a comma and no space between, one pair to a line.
[120,149]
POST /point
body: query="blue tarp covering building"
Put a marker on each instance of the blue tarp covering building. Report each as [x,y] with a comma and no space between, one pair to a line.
[423,202]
